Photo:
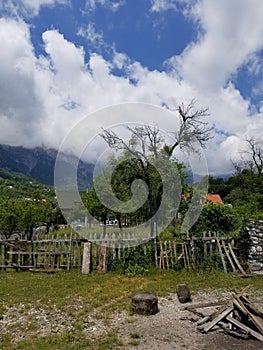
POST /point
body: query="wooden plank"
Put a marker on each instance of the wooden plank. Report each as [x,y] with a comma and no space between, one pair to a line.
[235,334]
[251,307]
[254,314]
[245,328]
[228,256]
[205,244]
[235,259]
[210,245]
[166,255]
[217,319]
[221,254]
[187,254]
[171,253]
[204,305]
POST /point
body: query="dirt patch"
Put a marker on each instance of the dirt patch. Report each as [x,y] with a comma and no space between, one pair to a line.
[174,328]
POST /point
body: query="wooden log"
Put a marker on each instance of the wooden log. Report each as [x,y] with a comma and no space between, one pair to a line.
[144,303]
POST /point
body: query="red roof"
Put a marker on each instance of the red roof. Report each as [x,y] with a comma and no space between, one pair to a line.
[213,198]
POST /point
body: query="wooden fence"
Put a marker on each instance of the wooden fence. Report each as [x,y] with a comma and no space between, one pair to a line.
[52,252]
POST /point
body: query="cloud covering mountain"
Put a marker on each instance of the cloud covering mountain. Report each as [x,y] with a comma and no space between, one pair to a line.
[56,70]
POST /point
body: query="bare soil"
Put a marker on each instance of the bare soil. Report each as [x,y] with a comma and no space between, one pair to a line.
[174,328]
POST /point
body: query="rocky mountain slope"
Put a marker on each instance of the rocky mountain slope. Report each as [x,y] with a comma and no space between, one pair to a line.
[39,163]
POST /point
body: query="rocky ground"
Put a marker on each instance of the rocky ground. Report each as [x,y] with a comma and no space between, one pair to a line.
[174,328]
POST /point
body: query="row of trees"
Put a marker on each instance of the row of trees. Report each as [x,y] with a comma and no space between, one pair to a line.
[145,148]
[21,215]
[24,204]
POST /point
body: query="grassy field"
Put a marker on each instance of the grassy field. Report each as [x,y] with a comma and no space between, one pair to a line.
[42,311]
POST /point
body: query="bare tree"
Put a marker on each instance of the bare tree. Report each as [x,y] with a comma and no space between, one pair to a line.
[253,155]
[193,129]
[144,140]
[147,140]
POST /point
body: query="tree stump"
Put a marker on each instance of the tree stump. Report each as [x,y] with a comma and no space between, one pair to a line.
[183,293]
[144,303]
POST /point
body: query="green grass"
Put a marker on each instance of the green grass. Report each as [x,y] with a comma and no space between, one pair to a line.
[74,296]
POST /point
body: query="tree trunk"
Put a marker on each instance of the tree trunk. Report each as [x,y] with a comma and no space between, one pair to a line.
[145,303]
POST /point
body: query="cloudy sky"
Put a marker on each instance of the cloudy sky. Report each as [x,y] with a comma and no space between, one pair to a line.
[61,60]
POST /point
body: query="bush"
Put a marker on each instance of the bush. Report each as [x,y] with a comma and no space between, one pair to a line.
[217,218]
[133,261]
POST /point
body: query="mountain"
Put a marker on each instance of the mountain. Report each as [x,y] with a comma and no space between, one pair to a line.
[38,163]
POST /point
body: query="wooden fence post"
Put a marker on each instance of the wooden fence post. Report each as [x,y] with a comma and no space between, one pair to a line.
[103,258]
[86,262]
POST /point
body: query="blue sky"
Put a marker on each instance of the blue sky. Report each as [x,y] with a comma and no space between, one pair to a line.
[63,59]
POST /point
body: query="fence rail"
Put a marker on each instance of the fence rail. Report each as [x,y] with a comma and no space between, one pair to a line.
[54,252]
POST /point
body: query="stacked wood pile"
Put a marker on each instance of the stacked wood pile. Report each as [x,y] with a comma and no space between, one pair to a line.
[238,317]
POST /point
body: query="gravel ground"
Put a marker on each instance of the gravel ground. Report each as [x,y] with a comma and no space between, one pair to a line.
[172,328]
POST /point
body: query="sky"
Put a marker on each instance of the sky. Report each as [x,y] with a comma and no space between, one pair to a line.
[61,60]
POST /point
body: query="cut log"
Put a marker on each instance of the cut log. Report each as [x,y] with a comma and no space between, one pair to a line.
[183,293]
[144,303]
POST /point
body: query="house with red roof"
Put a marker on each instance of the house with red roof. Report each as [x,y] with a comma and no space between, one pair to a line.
[214,199]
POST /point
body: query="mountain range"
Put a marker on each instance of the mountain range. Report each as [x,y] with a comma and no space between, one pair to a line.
[38,163]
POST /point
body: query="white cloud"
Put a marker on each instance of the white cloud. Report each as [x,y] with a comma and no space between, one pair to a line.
[163,5]
[94,37]
[51,93]
[91,5]
[168,5]
[227,39]
[28,7]
[20,106]
[34,5]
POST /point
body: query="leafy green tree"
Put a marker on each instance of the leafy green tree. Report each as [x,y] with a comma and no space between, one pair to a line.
[33,214]
[9,217]
[146,156]
[217,218]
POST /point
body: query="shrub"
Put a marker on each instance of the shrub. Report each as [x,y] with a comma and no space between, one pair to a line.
[217,218]
[134,261]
